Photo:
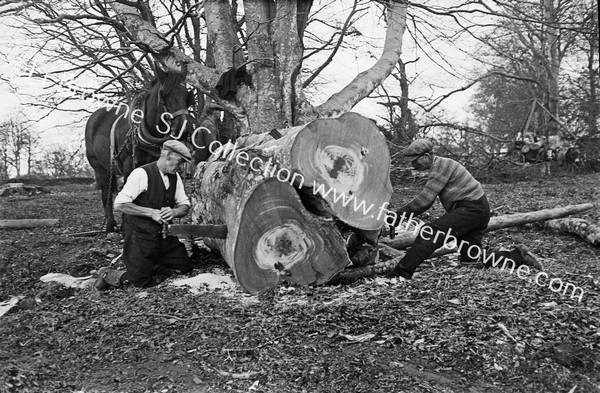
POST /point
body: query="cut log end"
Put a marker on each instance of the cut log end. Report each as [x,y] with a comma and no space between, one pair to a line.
[283,241]
[349,156]
[282,247]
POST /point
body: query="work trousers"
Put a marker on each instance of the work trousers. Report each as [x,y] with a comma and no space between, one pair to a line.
[466,222]
[146,255]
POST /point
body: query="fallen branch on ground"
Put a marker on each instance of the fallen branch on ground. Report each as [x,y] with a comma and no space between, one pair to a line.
[28,223]
[586,230]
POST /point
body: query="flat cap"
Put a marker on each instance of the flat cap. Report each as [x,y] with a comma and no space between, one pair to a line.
[418,147]
[178,148]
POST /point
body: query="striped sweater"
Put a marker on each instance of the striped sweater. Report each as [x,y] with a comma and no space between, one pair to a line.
[450,181]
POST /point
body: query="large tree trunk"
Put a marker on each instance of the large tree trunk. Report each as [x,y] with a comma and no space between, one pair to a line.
[278,232]
[406,239]
[594,107]
[551,43]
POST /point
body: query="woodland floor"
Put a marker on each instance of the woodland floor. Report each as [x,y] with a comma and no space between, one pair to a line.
[442,332]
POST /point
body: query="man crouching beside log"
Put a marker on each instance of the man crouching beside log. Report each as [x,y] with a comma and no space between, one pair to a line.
[466,218]
[152,196]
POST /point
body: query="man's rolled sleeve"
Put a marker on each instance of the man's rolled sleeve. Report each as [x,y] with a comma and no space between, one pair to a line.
[136,183]
[180,197]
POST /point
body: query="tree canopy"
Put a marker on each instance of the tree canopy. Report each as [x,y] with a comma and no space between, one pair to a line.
[281,48]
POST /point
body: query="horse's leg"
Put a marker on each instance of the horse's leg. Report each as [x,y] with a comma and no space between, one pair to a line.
[103,179]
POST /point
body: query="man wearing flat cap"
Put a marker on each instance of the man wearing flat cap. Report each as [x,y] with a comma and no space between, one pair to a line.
[152,196]
[467,209]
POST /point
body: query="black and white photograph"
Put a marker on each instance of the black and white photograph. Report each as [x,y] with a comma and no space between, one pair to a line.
[303,196]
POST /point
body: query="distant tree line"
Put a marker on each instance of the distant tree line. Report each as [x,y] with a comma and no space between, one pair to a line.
[21,154]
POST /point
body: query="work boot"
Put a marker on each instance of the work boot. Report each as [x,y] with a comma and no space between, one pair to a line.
[107,277]
[528,257]
[399,273]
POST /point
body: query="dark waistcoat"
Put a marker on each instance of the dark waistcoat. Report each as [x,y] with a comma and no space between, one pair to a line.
[155,197]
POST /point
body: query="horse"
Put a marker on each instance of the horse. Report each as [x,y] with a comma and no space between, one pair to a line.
[121,139]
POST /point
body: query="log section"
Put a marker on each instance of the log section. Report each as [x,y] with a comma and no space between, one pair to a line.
[270,235]
[341,167]
[29,223]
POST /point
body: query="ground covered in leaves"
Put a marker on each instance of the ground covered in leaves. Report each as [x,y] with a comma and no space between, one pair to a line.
[450,329]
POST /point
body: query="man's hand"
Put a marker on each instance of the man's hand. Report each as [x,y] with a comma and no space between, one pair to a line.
[402,215]
[157,215]
[166,213]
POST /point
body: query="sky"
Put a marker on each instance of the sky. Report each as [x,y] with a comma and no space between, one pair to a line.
[59,129]
[56,129]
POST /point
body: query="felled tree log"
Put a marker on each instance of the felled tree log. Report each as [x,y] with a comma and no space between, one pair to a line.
[29,223]
[270,235]
[327,176]
[341,167]
[586,230]
[406,239]
[512,220]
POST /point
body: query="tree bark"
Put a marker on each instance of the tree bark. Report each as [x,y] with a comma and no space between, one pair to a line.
[593,111]
[586,230]
[551,47]
[265,97]
[271,236]
[278,60]
[406,239]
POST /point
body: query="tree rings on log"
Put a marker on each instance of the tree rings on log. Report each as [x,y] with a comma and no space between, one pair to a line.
[341,167]
[271,236]
[278,239]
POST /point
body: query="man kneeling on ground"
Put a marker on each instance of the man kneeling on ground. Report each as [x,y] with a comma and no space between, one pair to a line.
[467,211]
[152,196]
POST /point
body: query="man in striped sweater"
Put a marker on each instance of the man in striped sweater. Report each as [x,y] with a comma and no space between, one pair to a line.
[467,214]
[467,210]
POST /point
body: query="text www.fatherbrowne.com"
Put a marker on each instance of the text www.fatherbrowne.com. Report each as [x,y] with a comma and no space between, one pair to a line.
[270,169]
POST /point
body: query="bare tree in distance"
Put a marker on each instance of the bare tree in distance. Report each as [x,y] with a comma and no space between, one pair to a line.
[522,48]
[528,43]
[60,162]
[17,146]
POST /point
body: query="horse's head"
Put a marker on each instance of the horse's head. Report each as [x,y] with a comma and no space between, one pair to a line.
[168,102]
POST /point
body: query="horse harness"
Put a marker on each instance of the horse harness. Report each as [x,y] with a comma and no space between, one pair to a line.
[138,135]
